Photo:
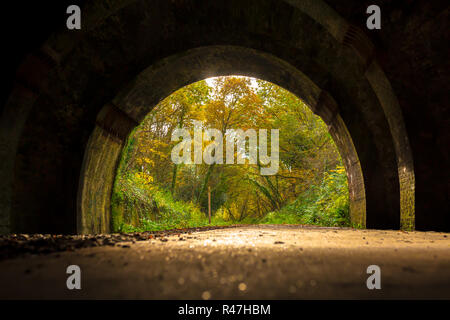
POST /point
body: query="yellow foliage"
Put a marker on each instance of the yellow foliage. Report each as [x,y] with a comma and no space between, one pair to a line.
[143,178]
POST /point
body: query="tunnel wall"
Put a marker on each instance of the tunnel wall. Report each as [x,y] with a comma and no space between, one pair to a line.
[180,70]
[99,168]
[95,193]
[88,68]
[299,41]
[11,125]
[356,189]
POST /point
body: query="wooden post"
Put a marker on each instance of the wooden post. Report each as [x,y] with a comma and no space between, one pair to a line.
[209,204]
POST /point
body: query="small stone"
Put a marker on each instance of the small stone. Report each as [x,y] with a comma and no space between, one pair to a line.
[242,286]
[206,295]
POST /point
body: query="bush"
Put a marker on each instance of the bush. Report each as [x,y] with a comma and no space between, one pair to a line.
[324,205]
[137,205]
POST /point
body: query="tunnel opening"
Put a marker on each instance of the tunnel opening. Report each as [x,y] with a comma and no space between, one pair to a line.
[76,102]
[165,183]
[113,123]
[59,122]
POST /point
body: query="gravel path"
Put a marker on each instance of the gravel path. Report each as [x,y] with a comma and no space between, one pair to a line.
[242,262]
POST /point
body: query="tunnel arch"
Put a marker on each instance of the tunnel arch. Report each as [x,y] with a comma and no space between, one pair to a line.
[114,123]
[118,41]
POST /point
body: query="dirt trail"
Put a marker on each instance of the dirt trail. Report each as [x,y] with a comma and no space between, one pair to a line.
[249,262]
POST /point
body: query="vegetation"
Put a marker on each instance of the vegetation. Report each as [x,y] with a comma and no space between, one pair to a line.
[324,205]
[153,193]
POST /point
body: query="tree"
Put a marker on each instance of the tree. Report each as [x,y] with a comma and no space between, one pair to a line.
[240,192]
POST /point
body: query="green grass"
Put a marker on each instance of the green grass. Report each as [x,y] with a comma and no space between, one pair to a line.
[323,205]
[149,225]
[137,207]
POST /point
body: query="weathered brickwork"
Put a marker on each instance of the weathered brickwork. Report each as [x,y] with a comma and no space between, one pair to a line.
[407,198]
[328,110]
[97,181]
[390,124]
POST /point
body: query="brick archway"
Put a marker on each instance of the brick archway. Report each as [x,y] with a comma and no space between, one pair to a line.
[119,117]
[47,121]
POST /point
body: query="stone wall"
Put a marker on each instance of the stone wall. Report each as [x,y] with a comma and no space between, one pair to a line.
[398,74]
[100,164]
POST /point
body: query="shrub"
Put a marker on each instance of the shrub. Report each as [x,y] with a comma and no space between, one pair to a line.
[325,205]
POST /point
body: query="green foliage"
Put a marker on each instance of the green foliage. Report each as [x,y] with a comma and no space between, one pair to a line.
[325,205]
[140,206]
[153,193]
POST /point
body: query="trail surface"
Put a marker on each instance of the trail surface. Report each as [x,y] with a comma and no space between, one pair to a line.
[248,262]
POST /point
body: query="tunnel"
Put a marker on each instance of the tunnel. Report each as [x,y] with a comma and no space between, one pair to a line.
[74,97]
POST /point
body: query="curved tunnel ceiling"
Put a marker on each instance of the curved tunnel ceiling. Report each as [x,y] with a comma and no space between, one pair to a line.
[118,42]
[117,119]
